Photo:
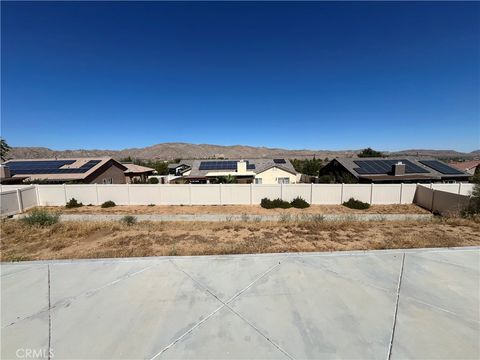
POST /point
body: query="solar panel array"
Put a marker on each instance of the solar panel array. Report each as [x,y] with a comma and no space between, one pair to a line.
[385,166]
[48,167]
[441,167]
[279,161]
[222,165]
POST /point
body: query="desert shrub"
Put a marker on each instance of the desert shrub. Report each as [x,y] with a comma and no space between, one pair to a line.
[356,204]
[276,203]
[128,220]
[108,204]
[299,203]
[473,208]
[41,217]
[153,180]
[73,203]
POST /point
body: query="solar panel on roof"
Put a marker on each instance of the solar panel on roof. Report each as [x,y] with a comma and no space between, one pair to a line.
[441,167]
[222,165]
[385,166]
[48,167]
[279,161]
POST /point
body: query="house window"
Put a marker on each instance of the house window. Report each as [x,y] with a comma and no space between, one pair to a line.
[284,180]
[258,180]
[108,181]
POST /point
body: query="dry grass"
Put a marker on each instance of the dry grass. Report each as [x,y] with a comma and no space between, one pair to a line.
[238,210]
[69,240]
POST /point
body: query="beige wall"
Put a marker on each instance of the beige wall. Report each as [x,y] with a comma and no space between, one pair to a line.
[112,172]
[271,176]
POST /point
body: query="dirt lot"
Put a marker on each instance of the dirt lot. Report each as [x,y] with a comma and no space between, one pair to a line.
[238,210]
[71,240]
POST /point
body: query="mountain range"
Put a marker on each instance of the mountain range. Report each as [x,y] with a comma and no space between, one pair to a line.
[170,151]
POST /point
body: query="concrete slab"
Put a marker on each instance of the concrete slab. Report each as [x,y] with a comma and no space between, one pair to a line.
[133,318]
[23,293]
[26,336]
[72,279]
[315,305]
[313,313]
[224,336]
[217,274]
[441,284]
[424,332]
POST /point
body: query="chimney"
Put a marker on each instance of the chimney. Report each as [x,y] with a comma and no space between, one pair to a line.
[241,167]
[398,169]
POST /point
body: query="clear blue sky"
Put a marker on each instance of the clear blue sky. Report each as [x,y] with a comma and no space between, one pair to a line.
[337,75]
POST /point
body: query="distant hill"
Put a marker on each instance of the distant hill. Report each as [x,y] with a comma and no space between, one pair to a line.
[170,151]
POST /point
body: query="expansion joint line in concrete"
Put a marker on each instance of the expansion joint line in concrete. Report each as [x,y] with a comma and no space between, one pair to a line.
[50,306]
[49,314]
[396,309]
[224,304]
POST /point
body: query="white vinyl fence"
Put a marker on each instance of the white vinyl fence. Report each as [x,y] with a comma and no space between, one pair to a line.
[210,194]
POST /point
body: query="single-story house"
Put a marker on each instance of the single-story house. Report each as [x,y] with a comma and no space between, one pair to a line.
[137,173]
[102,170]
[180,169]
[391,170]
[467,166]
[258,171]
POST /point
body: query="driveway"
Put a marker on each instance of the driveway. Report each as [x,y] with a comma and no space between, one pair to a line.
[369,305]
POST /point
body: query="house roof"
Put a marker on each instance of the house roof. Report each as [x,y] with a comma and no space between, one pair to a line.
[416,169]
[67,169]
[255,166]
[137,169]
[465,165]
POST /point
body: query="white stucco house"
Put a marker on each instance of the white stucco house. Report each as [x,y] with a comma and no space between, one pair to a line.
[256,171]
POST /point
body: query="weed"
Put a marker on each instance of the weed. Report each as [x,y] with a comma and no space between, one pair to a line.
[73,203]
[299,203]
[285,218]
[108,204]
[128,220]
[41,218]
[356,204]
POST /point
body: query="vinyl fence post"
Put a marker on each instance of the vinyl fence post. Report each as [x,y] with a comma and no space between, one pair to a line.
[19,200]
[433,201]
[401,193]
[220,192]
[459,188]
[37,195]
[65,193]
[251,194]
[190,194]
[341,195]
[281,191]
[371,193]
[311,193]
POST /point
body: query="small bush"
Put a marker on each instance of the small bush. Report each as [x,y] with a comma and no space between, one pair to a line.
[41,217]
[299,203]
[153,180]
[108,204]
[151,204]
[356,204]
[276,203]
[73,203]
[128,220]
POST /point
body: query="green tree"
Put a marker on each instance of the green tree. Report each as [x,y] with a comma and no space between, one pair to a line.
[4,149]
[369,152]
